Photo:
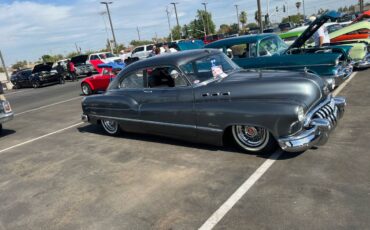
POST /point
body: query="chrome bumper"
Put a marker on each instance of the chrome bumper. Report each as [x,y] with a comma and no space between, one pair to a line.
[365,63]
[317,131]
[6,117]
[84,118]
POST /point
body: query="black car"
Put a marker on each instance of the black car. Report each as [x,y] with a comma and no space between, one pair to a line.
[202,96]
[40,75]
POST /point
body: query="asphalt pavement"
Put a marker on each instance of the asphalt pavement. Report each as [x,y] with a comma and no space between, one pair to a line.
[57,173]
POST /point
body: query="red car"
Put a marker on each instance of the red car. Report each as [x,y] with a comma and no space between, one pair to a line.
[99,82]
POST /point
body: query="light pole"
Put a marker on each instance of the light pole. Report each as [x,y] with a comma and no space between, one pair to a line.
[110,21]
[4,67]
[169,23]
[106,31]
[206,15]
[304,11]
[138,32]
[260,15]
[177,19]
[237,16]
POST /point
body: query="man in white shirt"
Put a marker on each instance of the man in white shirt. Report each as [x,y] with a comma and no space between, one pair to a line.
[321,36]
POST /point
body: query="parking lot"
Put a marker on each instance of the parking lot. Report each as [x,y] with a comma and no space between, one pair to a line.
[59,173]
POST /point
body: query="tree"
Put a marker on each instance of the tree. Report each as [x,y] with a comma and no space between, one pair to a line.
[293,18]
[199,24]
[224,29]
[176,33]
[243,18]
[234,28]
[19,64]
[140,43]
[252,25]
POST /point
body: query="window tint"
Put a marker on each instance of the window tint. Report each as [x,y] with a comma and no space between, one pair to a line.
[133,80]
[138,49]
[94,57]
[164,77]
[268,47]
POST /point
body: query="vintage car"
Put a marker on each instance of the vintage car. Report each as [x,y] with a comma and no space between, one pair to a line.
[99,82]
[202,96]
[83,69]
[6,113]
[356,33]
[40,75]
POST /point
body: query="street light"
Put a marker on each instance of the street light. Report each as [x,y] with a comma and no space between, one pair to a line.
[206,14]
[260,15]
[237,16]
[169,23]
[106,31]
[177,19]
[110,21]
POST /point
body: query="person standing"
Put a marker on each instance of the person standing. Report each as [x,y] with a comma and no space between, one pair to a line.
[72,70]
[321,36]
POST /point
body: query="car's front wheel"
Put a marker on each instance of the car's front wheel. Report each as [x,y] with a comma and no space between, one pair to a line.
[35,84]
[86,89]
[111,127]
[256,140]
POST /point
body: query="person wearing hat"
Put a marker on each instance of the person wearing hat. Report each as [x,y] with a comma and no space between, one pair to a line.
[321,36]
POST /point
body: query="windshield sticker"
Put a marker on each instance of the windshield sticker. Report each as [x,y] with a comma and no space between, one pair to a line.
[218,72]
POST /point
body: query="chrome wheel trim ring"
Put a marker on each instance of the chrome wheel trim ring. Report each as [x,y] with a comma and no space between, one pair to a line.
[110,126]
[251,138]
[85,89]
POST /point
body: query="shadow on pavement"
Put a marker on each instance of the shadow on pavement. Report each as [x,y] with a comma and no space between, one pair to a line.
[228,147]
[6,132]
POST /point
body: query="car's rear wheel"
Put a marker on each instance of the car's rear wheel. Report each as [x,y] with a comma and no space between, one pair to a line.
[256,140]
[111,127]
[86,89]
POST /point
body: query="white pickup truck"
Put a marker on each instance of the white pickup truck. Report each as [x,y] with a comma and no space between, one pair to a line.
[105,57]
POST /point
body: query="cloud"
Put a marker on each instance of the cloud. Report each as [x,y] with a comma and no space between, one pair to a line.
[32,28]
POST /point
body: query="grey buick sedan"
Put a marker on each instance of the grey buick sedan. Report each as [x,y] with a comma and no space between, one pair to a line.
[202,96]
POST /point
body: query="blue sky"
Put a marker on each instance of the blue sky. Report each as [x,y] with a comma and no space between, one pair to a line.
[35,27]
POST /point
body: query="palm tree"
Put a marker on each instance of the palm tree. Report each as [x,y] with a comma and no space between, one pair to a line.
[243,18]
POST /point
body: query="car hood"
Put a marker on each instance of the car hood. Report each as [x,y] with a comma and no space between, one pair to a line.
[42,67]
[80,59]
[304,88]
[313,27]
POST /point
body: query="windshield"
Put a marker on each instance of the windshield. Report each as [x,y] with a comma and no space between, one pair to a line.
[209,68]
[270,46]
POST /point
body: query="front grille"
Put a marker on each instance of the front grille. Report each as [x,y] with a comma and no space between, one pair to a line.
[328,111]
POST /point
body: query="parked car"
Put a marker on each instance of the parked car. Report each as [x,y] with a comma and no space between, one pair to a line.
[268,51]
[142,52]
[40,75]
[211,38]
[364,16]
[100,82]
[83,67]
[202,96]
[183,45]
[105,57]
[357,33]
[6,113]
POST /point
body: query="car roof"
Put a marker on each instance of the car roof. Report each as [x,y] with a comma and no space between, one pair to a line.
[241,39]
[174,59]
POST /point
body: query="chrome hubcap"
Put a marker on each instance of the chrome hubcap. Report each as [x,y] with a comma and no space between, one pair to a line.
[110,126]
[250,137]
[85,89]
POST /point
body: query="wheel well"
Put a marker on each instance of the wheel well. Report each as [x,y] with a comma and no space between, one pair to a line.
[227,137]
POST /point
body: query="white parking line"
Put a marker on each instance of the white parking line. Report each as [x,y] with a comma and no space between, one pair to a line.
[212,221]
[46,106]
[40,137]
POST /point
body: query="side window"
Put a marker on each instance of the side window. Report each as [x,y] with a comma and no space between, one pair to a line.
[94,57]
[164,77]
[253,50]
[268,47]
[138,49]
[149,48]
[240,51]
[134,80]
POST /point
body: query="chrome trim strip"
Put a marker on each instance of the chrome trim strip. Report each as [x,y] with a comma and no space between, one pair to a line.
[160,123]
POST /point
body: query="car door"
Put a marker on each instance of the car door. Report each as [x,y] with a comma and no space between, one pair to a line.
[167,103]
[123,103]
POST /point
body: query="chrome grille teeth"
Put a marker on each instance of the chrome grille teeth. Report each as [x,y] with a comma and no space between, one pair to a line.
[327,112]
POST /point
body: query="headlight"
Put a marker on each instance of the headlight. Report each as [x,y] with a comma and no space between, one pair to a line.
[300,114]
[331,85]
[337,62]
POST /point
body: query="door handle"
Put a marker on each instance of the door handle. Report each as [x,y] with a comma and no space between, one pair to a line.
[148,91]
